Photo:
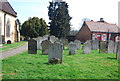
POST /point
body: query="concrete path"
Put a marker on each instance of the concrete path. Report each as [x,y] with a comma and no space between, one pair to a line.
[14,51]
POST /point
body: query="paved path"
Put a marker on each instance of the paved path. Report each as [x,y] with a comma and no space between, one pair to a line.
[14,51]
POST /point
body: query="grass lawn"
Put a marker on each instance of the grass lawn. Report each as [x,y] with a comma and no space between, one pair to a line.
[79,66]
[11,46]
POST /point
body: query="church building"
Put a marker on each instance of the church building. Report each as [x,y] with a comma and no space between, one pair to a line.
[9,25]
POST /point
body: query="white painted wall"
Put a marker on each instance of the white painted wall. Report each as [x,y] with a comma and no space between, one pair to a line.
[12,22]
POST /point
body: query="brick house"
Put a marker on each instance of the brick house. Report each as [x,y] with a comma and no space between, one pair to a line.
[100,30]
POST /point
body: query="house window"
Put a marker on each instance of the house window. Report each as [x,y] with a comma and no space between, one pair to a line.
[8,25]
[0,26]
[104,37]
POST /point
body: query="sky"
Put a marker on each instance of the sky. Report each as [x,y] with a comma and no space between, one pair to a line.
[78,10]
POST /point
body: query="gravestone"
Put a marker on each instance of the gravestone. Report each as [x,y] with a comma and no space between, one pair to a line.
[103,47]
[55,53]
[115,47]
[38,39]
[118,51]
[59,42]
[53,39]
[72,48]
[111,46]
[87,47]
[95,44]
[0,40]
[78,43]
[45,45]
[32,46]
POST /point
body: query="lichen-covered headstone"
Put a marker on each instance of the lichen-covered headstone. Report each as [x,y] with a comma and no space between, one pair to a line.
[45,45]
[87,47]
[111,46]
[72,48]
[103,47]
[32,46]
[118,51]
[78,43]
[95,44]
[55,53]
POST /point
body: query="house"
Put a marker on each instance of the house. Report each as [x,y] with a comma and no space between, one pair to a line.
[9,27]
[99,30]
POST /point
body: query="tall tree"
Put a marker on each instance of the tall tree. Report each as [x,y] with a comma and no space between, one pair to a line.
[34,27]
[60,20]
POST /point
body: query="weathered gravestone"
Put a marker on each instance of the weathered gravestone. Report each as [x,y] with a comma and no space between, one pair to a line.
[72,48]
[118,51]
[0,40]
[95,44]
[87,47]
[111,46]
[59,42]
[32,46]
[52,39]
[38,42]
[115,47]
[103,47]
[55,53]
[45,45]
[78,43]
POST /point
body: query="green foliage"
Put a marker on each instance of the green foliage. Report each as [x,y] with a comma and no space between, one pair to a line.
[79,66]
[60,19]
[34,27]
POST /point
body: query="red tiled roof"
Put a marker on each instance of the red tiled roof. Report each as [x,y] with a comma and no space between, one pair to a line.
[6,7]
[102,27]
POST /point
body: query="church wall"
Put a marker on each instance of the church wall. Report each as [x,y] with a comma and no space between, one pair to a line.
[12,24]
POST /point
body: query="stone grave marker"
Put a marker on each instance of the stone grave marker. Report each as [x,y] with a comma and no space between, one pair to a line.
[78,43]
[0,40]
[87,47]
[103,47]
[32,46]
[55,53]
[118,51]
[111,46]
[95,44]
[72,48]
[45,45]
[115,47]
[53,39]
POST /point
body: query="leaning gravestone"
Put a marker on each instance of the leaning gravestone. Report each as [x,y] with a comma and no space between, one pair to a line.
[87,47]
[103,47]
[72,48]
[95,44]
[118,51]
[111,46]
[45,45]
[78,43]
[32,46]
[55,53]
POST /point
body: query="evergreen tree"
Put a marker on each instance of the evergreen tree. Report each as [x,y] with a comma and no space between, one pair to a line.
[34,27]
[60,20]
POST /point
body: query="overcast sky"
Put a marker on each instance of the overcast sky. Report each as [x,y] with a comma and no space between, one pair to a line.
[78,9]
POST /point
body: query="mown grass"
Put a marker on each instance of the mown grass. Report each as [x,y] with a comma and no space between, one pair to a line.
[79,66]
[6,47]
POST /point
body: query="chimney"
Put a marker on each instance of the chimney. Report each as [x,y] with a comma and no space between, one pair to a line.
[101,20]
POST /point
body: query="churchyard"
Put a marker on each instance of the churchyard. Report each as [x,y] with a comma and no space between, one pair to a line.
[53,58]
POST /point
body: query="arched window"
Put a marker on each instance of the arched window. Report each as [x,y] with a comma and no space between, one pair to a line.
[8,25]
[0,26]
